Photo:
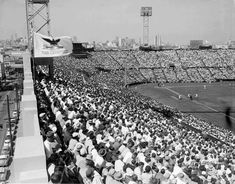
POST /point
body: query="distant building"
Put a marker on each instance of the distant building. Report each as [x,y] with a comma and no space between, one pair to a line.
[183,46]
[221,46]
[156,41]
[231,45]
[195,44]
[139,41]
[159,40]
[119,42]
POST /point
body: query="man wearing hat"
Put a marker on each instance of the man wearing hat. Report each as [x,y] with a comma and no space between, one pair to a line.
[72,170]
[73,141]
[50,144]
[92,177]
[166,178]
[110,177]
[118,165]
[147,175]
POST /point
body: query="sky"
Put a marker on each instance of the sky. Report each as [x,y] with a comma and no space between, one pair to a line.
[177,21]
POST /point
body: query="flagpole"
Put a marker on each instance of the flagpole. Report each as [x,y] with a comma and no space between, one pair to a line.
[33,61]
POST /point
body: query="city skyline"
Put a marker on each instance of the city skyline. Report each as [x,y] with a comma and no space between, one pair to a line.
[176,21]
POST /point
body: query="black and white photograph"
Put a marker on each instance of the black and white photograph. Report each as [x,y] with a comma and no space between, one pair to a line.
[117,91]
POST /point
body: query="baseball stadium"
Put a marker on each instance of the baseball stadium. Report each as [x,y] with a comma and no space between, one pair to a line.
[88,115]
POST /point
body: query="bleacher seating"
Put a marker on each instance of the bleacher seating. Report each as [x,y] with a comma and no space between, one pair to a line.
[105,133]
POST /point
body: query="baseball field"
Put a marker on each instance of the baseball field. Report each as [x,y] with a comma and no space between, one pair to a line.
[213,102]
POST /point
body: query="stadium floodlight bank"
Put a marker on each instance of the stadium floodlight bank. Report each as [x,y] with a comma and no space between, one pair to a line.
[146,11]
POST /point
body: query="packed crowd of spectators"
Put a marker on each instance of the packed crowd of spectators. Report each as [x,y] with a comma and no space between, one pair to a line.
[97,132]
[164,66]
[176,65]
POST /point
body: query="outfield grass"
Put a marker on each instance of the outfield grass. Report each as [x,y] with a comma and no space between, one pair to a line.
[210,105]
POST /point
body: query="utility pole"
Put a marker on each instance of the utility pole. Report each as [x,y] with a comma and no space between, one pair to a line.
[125,74]
[17,101]
[9,120]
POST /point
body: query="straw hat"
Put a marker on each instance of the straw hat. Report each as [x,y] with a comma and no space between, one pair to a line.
[83,152]
[118,176]
[180,175]
[75,134]
[129,171]
[102,152]
[53,127]
[42,114]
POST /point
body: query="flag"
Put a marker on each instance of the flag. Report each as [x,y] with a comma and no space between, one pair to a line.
[46,46]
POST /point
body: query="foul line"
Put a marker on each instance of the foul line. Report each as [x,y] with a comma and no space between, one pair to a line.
[196,102]
[171,90]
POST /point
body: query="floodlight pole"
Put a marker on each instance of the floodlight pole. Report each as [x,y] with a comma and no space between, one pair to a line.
[146,12]
[28,25]
[145,30]
[35,10]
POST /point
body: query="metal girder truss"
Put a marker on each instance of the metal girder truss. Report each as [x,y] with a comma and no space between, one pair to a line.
[38,18]
[145,30]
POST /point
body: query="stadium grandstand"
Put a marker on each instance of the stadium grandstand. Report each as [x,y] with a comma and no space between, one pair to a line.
[91,123]
[116,133]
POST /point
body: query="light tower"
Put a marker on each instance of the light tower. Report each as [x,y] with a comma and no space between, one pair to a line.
[146,12]
[38,18]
